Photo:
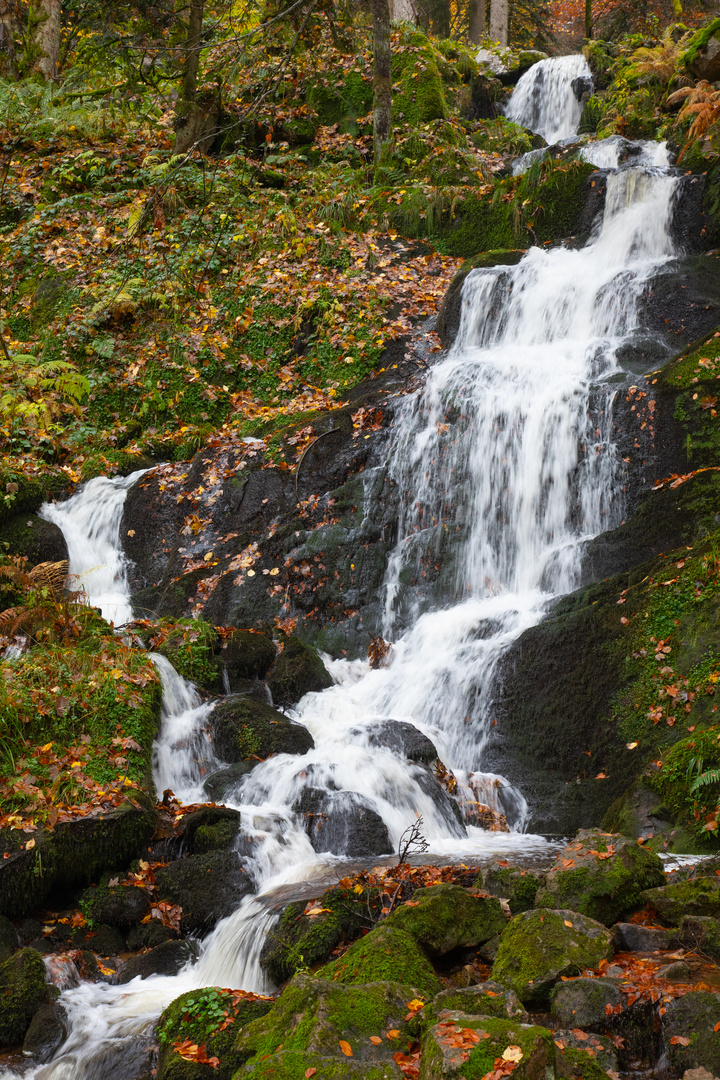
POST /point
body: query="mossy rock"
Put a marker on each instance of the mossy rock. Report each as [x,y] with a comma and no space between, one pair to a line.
[207,887]
[295,1065]
[312,1017]
[695,1017]
[487,999]
[22,991]
[245,728]
[700,933]
[8,938]
[444,917]
[699,896]
[343,104]
[35,539]
[122,906]
[31,492]
[297,941]
[482,1040]
[190,646]
[385,954]
[247,654]
[512,883]
[607,876]
[297,671]
[209,829]
[201,1016]
[540,946]
[572,1062]
[420,96]
[581,1002]
[702,56]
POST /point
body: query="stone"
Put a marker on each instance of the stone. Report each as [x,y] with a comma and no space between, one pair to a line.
[209,828]
[605,878]
[386,954]
[339,822]
[488,999]
[445,917]
[246,654]
[694,1017]
[538,947]
[246,728]
[149,935]
[698,1074]
[512,883]
[22,991]
[207,888]
[105,941]
[631,937]
[37,540]
[167,959]
[702,934]
[704,60]
[122,906]
[460,1045]
[297,671]
[698,896]
[402,738]
[8,938]
[47,1032]
[584,1049]
[678,971]
[220,783]
[582,1002]
[297,941]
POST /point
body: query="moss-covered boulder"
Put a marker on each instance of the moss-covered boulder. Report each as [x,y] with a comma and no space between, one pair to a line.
[298,940]
[583,1048]
[486,999]
[296,1064]
[47,1032]
[246,728]
[578,1063]
[209,829]
[190,646]
[444,917]
[297,671]
[38,540]
[515,884]
[462,1046]
[702,56]
[207,888]
[8,938]
[122,905]
[700,933]
[318,1017]
[690,1033]
[210,1017]
[385,954]
[601,875]
[582,1002]
[540,946]
[698,896]
[246,654]
[22,991]
[420,96]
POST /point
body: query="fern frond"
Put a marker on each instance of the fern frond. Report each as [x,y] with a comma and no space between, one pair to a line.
[710,776]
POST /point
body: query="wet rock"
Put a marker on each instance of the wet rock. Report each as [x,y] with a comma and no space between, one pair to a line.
[581,1003]
[92,969]
[448,808]
[167,959]
[444,917]
[29,930]
[447,323]
[693,1017]
[538,947]
[122,906]
[39,541]
[220,783]
[462,1045]
[106,941]
[246,654]
[403,739]
[702,934]
[209,829]
[577,1063]
[297,671]
[678,971]
[243,728]
[512,883]
[587,1051]
[704,59]
[47,1032]
[385,954]
[605,878]
[297,940]
[631,937]
[207,887]
[22,991]
[9,941]
[682,301]
[340,822]
[699,896]
[187,1018]
[149,935]
[488,999]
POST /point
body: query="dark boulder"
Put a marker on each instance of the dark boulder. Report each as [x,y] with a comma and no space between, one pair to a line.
[297,671]
[121,906]
[246,654]
[219,784]
[447,807]
[8,938]
[298,940]
[47,1032]
[208,829]
[38,540]
[340,822]
[699,896]
[690,1032]
[149,935]
[166,959]
[105,941]
[700,933]
[207,888]
[632,937]
[245,728]
[583,1003]
[22,991]
[703,56]
[682,301]
[402,738]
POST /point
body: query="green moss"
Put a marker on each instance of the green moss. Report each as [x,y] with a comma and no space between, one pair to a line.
[514,884]
[699,41]
[297,671]
[210,1017]
[684,763]
[214,837]
[419,96]
[441,1058]
[572,1062]
[341,105]
[22,991]
[246,727]
[384,954]
[190,645]
[293,1065]
[297,942]
[445,917]
[698,896]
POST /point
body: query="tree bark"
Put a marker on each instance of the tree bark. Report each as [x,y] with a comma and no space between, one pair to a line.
[499,15]
[476,20]
[403,9]
[382,84]
[47,38]
[8,26]
[191,118]
[191,65]
[588,19]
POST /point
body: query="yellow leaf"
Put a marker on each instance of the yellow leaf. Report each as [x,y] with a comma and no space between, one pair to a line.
[512,1053]
[131,532]
[567,923]
[393,1034]
[30,844]
[44,749]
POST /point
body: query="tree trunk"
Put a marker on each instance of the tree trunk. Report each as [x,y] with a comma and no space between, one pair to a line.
[476,20]
[191,118]
[47,38]
[8,26]
[499,14]
[382,85]
[403,9]
[588,19]
[440,17]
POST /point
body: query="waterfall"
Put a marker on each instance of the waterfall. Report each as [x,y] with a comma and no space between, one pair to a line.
[547,98]
[506,466]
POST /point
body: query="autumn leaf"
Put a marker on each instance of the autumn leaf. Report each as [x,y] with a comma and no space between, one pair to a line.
[512,1053]
[679,1040]
[346,1048]
[375,1040]
[310,1072]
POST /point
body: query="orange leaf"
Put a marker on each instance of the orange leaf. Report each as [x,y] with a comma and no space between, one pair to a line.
[393,1034]
[310,1072]
[346,1048]
[375,1040]
[679,1040]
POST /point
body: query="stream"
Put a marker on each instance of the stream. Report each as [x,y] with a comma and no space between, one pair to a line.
[507,465]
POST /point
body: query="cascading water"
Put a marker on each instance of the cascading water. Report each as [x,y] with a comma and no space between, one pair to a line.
[547,98]
[506,466]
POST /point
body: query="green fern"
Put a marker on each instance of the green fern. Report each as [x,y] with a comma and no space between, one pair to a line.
[710,776]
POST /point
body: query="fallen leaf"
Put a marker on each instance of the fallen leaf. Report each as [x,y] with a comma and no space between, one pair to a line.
[310,1072]
[631,745]
[679,1040]
[375,1040]
[512,1053]
[567,923]
[346,1048]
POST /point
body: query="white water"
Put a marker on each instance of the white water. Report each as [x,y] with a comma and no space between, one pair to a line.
[507,466]
[544,99]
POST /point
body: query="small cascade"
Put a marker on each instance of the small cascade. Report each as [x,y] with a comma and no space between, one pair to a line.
[90,522]
[547,98]
[182,753]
